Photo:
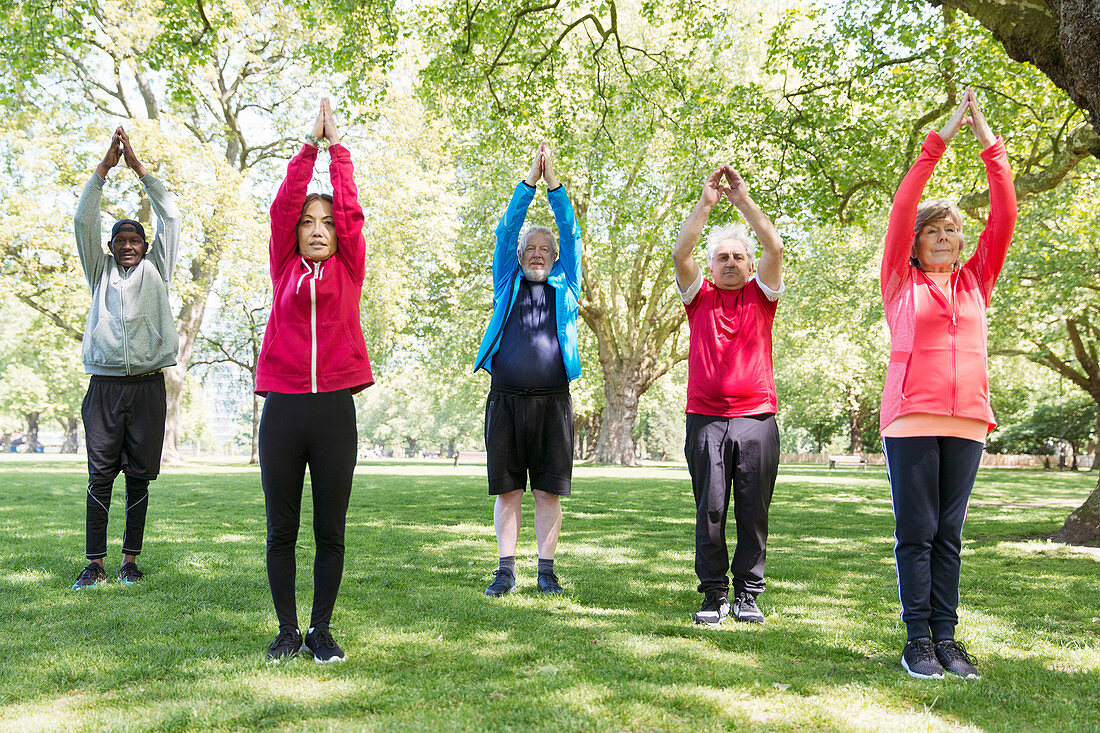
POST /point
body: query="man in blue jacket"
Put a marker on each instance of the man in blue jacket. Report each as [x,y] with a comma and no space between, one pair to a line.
[530,351]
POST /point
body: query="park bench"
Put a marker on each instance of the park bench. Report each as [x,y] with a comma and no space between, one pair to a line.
[856,460]
[470,456]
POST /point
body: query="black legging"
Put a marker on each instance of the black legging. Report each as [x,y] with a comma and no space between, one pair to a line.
[296,430]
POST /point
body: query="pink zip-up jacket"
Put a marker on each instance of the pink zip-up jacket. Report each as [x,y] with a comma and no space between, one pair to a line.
[313,341]
[938,357]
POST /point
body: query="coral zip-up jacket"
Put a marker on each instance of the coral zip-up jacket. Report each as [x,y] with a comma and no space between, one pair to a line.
[313,341]
[938,352]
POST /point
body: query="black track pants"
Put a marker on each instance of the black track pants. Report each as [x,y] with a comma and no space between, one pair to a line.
[124,432]
[297,430]
[930,483]
[738,458]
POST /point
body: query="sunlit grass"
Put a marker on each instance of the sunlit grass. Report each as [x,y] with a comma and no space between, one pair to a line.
[428,651]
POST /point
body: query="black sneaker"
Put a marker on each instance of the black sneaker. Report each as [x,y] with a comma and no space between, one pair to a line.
[919,660]
[286,645]
[503,581]
[715,608]
[548,583]
[954,659]
[744,609]
[129,573]
[324,647]
[90,577]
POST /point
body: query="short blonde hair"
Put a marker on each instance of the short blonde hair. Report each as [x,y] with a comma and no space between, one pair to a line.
[935,210]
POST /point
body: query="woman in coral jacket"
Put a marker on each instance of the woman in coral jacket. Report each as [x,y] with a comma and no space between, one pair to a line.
[935,403]
[312,361]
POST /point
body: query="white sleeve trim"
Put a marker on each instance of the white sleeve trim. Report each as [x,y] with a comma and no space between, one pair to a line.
[772,295]
[689,295]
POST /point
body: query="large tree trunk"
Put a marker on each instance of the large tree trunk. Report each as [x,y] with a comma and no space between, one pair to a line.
[72,434]
[1083,526]
[1057,36]
[616,441]
[203,271]
[32,431]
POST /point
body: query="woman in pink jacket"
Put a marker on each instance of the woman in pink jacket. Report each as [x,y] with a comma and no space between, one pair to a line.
[312,361]
[935,403]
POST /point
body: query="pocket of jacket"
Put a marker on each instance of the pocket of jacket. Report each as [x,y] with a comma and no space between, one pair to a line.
[104,344]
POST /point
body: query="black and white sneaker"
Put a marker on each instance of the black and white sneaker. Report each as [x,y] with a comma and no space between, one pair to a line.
[954,659]
[744,609]
[548,583]
[129,573]
[286,645]
[503,581]
[90,576]
[715,608]
[324,648]
[919,660]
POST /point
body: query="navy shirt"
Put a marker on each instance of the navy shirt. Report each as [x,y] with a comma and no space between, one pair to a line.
[529,356]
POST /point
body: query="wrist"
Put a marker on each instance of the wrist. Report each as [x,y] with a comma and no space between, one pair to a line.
[102,170]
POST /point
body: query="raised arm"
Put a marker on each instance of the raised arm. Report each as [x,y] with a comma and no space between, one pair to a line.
[164,248]
[989,255]
[505,261]
[569,233]
[345,200]
[770,266]
[903,212]
[286,209]
[87,221]
[687,269]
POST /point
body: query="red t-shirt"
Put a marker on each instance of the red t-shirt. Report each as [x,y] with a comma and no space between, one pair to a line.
[730,352]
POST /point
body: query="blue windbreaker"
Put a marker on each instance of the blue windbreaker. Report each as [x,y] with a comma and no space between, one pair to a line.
[565,276]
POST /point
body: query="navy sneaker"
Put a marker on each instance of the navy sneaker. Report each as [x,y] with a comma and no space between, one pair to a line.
[90,577]
[548,583]
[324,648]
[744,609]
[286,645]
[919,660]
[129,573]
[503,581]
[715,608]
[955,660]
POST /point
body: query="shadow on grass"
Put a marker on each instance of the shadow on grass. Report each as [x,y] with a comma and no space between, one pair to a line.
[618,650]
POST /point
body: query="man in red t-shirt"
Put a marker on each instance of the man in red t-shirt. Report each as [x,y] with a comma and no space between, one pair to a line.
[732,438]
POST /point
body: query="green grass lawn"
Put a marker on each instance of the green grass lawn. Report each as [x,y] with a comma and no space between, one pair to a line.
[428,651]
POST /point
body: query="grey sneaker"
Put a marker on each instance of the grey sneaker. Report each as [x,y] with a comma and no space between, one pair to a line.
[744,609]
[919,660]
[955,660]
[90,576]
[715,608]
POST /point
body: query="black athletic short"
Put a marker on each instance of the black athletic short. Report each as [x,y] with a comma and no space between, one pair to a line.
[529,432]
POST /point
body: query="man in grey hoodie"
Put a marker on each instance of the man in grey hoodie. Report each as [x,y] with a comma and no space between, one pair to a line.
[129,338]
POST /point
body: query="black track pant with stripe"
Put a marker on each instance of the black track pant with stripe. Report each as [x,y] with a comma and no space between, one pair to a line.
[299,430]
[930,483]
[124,432]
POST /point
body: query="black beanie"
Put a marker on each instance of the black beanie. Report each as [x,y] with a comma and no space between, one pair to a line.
[135,224]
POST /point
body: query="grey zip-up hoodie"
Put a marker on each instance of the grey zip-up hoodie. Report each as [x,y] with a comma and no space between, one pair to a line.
[130,327]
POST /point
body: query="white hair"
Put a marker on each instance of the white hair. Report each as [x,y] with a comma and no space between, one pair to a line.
[723,232]
[537,229]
